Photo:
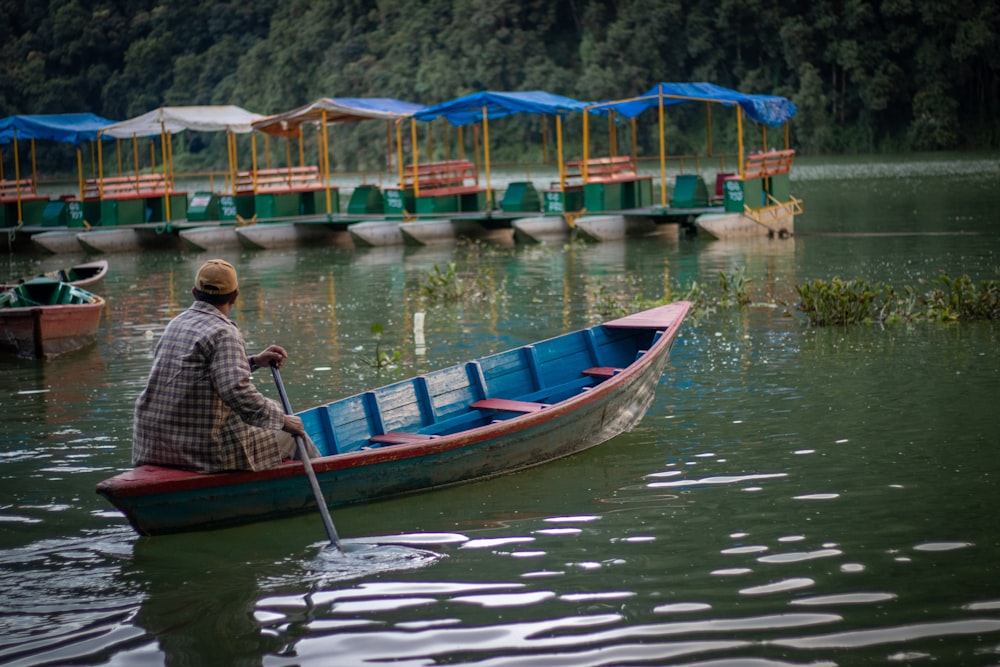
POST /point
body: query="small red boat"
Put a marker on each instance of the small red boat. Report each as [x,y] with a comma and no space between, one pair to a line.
[45,317]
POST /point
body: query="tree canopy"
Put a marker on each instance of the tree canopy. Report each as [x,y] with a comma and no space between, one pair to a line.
[866,76]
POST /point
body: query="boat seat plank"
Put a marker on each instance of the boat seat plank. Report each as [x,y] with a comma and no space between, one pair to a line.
[508,405]
[281,180]
[398,438]
[601,371]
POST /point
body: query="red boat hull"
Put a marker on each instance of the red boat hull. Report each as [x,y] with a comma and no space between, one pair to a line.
[42,332]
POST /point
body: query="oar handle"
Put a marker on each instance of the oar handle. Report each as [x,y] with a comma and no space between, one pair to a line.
[300,443]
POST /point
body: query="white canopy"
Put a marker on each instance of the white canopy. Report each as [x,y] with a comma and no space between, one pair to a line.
[177,119]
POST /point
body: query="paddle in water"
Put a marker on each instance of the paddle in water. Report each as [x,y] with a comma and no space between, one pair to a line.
[300,443]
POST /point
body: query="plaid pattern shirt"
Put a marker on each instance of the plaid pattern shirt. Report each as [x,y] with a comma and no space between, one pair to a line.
[200,411]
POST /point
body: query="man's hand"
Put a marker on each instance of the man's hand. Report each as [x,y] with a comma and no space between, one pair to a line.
[274,353]
[293,425]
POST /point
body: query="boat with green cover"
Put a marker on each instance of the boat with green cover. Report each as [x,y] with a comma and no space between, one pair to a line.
[45,317]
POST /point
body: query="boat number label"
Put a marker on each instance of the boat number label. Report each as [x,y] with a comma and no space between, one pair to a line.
[227,207]
[554,202]
[734,190]
[394,200]
[74,210]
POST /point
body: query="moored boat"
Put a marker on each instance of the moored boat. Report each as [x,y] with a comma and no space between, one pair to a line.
[44,317]
[87,274]
[490,416]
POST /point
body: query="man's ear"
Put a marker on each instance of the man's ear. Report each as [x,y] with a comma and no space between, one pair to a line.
[232,300]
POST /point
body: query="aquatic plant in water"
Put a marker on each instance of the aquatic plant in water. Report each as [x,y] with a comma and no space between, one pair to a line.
[837,301]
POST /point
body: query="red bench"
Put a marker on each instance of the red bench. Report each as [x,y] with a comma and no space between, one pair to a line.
[771,163]
[602,169]
[279,181]
[23,189]
[448,177]
[126,187]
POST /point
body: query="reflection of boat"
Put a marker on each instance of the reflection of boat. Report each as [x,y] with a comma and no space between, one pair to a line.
[87,274]
[45,317]
[493,415]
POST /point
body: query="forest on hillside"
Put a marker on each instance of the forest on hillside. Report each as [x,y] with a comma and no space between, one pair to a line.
[866,76]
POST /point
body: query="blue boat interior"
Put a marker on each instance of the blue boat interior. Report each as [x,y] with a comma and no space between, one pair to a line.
[477,393]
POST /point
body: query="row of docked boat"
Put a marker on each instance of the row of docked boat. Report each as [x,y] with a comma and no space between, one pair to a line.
[601,197]
[47,315]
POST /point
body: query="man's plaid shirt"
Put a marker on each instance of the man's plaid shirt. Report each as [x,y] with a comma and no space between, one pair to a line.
[200,411]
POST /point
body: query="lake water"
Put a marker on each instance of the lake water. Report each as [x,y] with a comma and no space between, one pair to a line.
[794,495]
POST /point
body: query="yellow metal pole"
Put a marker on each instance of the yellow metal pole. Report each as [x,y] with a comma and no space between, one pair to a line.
[461,144]
[486,159]
[302,150]
[34,170]
[708,125]
[586,146]
[559,148]
[267,151]
[635,145]
[663,156]
[545,140]
[416,155]
[764,136]
[100,168]
[118,153]
[17,177]
[612,135]
[788,143]
[399,151]
[79,168]
[288,153]
[739,140]
[253,161]
[475,149]
[231,176]
[326,166]
[164,150]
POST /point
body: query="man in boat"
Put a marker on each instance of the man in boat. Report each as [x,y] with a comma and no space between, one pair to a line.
[200,411]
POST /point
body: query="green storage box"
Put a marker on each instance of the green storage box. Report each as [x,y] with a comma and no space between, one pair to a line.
[602,197]
[689,192]
[521,197]
[366,199]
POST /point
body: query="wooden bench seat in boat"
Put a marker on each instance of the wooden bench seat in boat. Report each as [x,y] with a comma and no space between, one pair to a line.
[771,163]
[447,177]
[23,189]
[614,169]
[280,180]
[126,187]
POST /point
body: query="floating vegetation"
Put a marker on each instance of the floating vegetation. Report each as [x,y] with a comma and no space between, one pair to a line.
[448,285]
[382,359]
[833,302]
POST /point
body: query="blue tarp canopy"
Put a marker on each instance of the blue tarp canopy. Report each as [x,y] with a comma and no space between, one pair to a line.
[769,110]
[71,128]
[337,110]
[469,109]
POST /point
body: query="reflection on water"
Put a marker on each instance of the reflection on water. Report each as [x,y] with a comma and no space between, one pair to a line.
[794,496]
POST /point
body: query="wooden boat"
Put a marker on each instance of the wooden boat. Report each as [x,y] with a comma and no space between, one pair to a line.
[45,317]
[87,274]
[490,416]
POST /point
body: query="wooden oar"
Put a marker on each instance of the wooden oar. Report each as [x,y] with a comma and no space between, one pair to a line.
[300,442]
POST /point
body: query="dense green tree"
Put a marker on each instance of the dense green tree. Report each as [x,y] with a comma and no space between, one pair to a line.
[866,75]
